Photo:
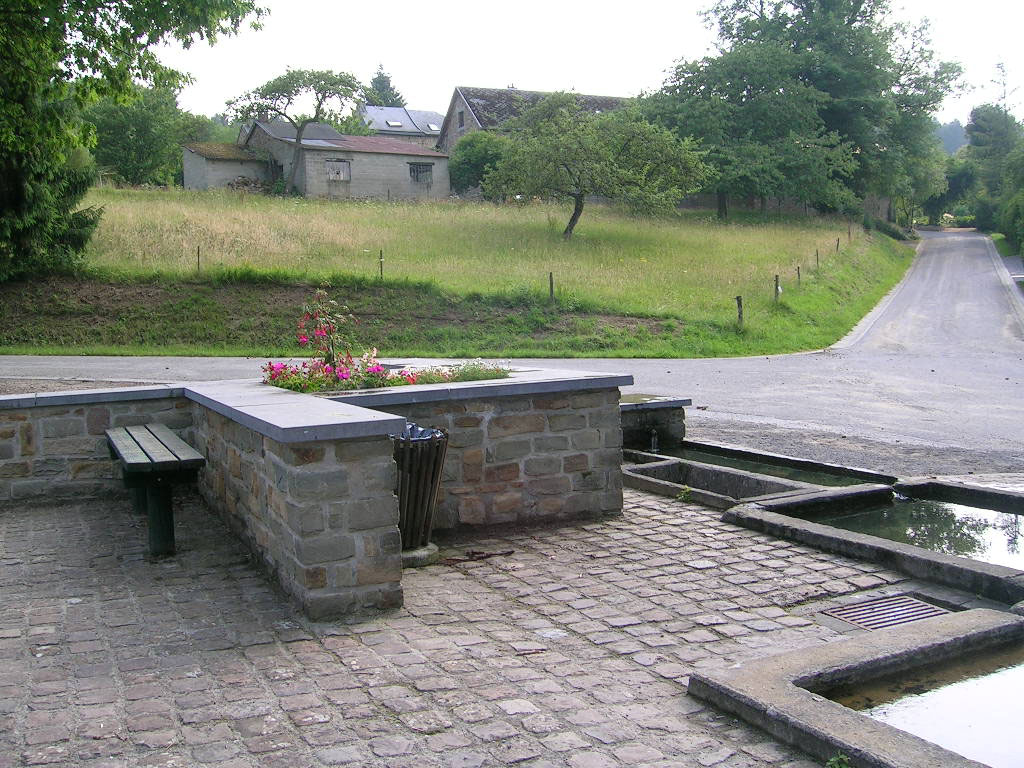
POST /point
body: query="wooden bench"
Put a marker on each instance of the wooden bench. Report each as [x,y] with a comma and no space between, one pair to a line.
[154,459]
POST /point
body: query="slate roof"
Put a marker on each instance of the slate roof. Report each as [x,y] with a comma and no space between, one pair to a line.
[493,106]
[414,122]
[218,151]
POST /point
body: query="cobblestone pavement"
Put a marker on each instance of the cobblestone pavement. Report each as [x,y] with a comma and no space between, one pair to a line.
[572,650]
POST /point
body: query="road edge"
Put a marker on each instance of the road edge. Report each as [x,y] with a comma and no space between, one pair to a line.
[1013,292]
[867,322]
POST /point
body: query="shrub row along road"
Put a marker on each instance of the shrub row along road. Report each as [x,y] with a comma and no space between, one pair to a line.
[930,382]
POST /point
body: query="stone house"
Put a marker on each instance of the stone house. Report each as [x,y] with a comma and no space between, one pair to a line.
[476,109]
[418,126]
[208,165]
[336,166]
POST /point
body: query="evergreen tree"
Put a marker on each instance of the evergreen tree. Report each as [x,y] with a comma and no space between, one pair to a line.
[380,92]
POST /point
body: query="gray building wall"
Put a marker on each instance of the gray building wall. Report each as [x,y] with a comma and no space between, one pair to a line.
[204,173]
[374,175]
[451,130]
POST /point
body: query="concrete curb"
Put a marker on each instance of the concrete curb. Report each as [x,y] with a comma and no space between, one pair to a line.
[780,694]
[1013,293]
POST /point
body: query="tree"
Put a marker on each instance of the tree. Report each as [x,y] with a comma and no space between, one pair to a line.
[559,149]
[472,157]
[959,181]
[140,141]
[55,57]
[281,97]
[875,73]
[759,123]
[380,92]
[952,135]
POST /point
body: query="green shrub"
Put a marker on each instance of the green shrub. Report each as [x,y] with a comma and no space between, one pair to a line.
[890,229]
[1011,220]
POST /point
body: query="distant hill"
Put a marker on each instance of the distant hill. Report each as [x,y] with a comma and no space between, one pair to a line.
[952,135]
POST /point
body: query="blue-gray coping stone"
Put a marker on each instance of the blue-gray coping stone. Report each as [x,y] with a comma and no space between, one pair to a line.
[781,694]
[643,402]
[293,417]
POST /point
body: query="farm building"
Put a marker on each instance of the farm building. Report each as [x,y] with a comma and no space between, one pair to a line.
[337,166]
[210,165]
[476,109]
[330,165]
[416,125]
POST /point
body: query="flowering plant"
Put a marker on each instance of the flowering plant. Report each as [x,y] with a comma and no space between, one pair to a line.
[334,368]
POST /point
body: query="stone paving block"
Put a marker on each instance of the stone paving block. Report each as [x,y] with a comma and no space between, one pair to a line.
[571,651]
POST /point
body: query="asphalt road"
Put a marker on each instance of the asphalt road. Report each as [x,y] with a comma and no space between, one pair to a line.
[930,382]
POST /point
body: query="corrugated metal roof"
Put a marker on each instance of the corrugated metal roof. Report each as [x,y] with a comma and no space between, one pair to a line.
[281,129]
[218,151]
[379,144]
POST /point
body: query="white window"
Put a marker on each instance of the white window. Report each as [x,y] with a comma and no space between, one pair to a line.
[422,173]
[338,170]
[394,123]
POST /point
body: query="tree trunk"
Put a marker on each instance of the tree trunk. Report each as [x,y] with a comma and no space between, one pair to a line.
[723,205]
[577,210]
[296,158]
[764,205]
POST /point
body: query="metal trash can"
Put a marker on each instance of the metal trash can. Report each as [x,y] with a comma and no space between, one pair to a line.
[419,454]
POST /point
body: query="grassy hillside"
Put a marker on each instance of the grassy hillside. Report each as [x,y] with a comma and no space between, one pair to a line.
[460,279]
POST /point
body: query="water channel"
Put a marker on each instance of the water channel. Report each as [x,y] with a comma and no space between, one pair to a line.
[970,707]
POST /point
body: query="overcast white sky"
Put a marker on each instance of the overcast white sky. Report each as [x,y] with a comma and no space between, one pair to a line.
[599,47]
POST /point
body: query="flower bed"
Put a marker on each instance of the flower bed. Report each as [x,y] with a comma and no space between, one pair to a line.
[333,368]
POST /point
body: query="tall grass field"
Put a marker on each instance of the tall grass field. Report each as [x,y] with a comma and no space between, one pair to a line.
[623,285]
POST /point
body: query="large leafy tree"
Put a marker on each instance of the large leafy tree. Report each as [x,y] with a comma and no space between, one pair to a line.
[284,96]
[560,149]
[760,124]
[55,55]
[473,156]
[380,92]
[878,76]
[139,141]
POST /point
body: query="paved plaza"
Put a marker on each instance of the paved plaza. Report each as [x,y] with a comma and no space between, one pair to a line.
[569,647]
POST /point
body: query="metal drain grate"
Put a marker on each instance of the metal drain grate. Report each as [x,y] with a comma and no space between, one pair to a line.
[885,612]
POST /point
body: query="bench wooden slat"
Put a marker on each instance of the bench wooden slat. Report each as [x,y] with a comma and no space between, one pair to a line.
[187,455]
[129,451]
[161,457]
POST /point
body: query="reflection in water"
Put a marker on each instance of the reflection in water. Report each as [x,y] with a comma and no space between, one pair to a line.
[940,526]
[967,706]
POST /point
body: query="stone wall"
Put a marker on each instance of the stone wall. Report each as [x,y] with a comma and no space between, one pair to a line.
[526,458]
[321,516]
[59,451]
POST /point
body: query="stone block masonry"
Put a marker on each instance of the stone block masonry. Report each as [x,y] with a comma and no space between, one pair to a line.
[308,483]
[57,449]
[526,458]
[321,515]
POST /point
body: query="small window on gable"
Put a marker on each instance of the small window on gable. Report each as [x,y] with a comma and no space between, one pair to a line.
[338,170]
[422,173]
[462,119]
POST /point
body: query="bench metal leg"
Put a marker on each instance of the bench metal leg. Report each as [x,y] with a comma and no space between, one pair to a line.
[139,497]
[161,519]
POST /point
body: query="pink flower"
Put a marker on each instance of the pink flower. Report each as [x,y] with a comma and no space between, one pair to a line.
[343,373]
[328,369]
[303,339]
[375,369]
[319,332]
